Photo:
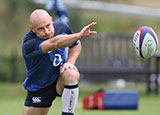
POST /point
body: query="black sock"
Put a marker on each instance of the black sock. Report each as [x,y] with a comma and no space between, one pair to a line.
[63,113]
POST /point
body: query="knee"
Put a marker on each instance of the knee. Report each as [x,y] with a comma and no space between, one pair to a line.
[70,76]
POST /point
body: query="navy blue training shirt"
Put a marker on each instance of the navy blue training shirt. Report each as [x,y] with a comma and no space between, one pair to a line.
[43,69]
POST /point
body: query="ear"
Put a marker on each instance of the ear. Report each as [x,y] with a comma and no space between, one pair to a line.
[31,27]
[51,18]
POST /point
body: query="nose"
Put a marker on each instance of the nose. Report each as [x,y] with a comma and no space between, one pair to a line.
[46,30]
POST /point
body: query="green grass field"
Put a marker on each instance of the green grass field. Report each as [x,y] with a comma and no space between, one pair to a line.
[12,99]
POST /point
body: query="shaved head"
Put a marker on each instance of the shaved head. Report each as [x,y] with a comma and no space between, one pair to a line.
[38,16]
[41,23]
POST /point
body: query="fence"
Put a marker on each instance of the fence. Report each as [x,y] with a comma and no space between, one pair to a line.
[112,56]
[12,68]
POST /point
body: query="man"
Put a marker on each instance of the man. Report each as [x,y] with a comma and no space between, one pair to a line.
[49,74]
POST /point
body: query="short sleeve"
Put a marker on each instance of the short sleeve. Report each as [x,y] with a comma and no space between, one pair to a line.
[76,43]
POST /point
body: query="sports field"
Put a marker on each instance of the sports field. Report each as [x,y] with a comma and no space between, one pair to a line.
[12,99]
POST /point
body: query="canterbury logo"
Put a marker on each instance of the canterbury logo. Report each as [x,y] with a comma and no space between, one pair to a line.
[71,102]
[36,99]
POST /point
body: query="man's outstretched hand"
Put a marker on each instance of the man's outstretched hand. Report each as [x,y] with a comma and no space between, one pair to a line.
[85,32]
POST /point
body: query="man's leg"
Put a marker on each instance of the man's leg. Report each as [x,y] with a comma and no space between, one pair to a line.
[35,111]
[67,86]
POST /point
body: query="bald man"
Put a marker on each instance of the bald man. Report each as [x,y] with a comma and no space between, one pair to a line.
[49,73]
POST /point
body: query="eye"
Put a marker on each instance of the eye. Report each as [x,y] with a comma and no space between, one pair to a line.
[40,29]
[48,25]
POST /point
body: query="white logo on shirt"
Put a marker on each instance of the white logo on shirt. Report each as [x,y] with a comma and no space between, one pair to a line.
[59,58]
[36,99]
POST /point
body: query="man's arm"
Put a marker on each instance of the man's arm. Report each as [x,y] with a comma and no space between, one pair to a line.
[62,41]
[73,55]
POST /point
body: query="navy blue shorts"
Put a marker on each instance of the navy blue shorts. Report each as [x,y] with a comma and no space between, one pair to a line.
[41,98]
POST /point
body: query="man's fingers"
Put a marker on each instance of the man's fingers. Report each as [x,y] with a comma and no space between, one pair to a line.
[75,68]
[91,25]
[62,70]
[93,32]
[68,66]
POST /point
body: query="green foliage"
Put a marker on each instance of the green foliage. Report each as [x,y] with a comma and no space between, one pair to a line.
[112,22]
[14,22]
[14,25]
